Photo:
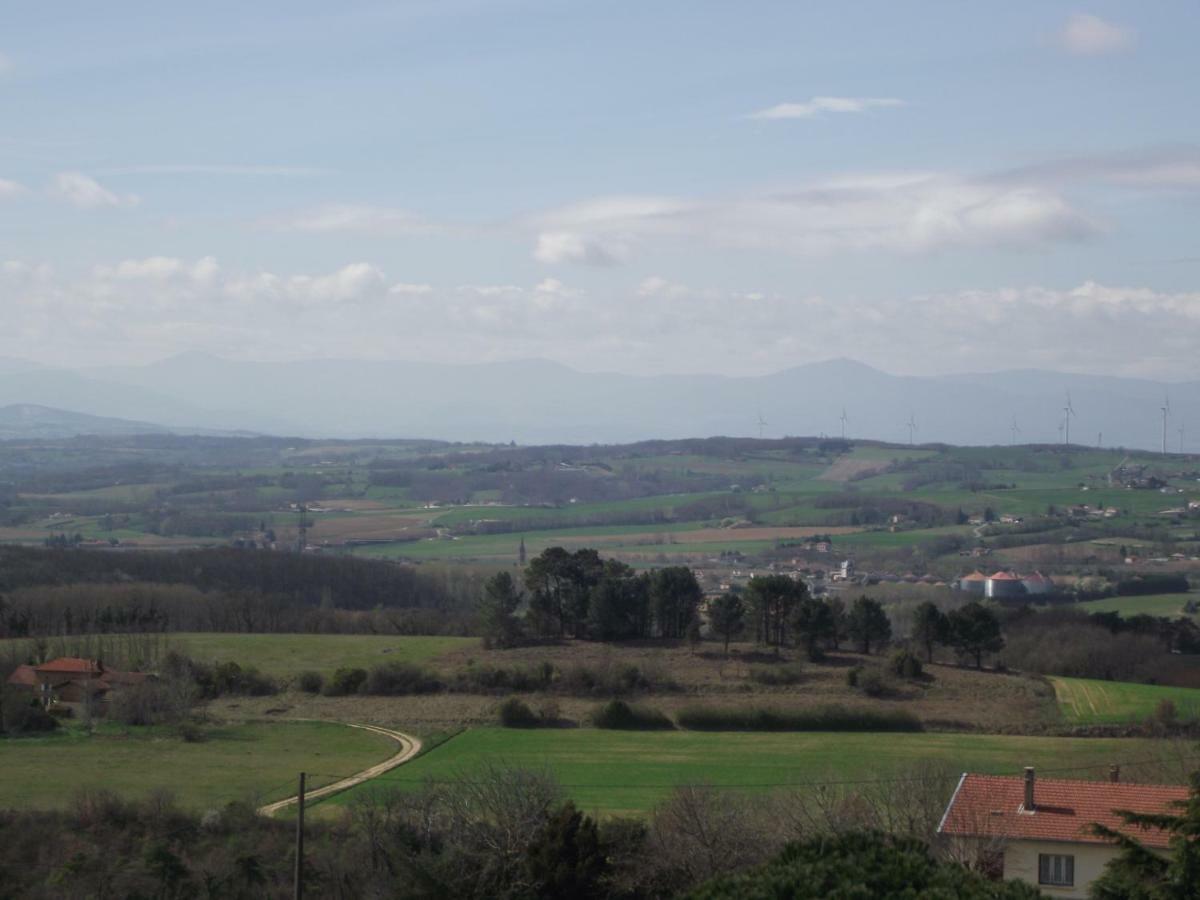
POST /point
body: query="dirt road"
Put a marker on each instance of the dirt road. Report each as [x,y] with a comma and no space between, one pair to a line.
[409,747]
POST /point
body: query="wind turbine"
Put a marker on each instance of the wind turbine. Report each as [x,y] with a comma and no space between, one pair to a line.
[1015,431]
[1180,438]
[912,426]
[1165,408]
[1068,411]
[762,423]
[844,420]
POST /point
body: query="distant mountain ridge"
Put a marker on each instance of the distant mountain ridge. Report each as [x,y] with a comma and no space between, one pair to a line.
[537,401]
[29,420]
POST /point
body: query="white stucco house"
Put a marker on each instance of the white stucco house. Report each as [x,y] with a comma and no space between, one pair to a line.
[1037,830]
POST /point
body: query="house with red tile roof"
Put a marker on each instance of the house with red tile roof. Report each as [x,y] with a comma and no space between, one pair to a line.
[70,682]
[1038,830]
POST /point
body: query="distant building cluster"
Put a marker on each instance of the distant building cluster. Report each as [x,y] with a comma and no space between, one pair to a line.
[1002,585]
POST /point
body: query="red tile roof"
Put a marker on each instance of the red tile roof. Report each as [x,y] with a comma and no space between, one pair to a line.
[993,806]
[71,665]
[1004,576]
[23,676]
[975,576]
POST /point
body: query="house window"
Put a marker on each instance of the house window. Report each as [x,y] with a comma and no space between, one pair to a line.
[1056,870]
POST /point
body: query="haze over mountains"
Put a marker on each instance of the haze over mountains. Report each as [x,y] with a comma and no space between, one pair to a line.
[536,401]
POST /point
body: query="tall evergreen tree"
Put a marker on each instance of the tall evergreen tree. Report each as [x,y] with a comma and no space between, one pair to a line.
[930,627]
[868,623]
[727,617]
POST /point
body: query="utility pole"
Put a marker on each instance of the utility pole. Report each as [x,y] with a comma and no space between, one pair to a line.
[298,878]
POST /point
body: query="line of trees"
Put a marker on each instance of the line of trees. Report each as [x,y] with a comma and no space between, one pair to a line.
[581,595]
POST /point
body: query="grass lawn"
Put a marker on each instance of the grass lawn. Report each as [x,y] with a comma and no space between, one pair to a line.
[256,761]
[286,655]
[1086,701]
[623,772]
[1152,605]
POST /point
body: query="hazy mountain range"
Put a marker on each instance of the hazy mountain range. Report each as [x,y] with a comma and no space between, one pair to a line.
[537,401]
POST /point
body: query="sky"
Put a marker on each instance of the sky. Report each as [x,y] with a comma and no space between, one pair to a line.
[642,187]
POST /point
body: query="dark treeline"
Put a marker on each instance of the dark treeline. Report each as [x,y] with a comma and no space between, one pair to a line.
[61,591]
[505,833]
[1061,641]
[582,595]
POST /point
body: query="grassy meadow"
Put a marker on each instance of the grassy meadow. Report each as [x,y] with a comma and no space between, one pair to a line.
[287,655]
[254,761]
[627,773]
[1086,701]
[1170,605]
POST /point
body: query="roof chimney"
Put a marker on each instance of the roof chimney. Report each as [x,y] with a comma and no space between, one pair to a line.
[1029,805]
[1114,774]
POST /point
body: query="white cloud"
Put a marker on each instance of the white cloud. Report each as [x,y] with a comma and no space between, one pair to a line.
[143,308]
[85,192]
[356,218]
[1088,35]
[10,188]
[209,169]
[411,289]
[657,286]
[1171,168]
[566,247]
[817,106]
[897,212]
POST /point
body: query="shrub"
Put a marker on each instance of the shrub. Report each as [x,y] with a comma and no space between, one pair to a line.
[904,664]
[21,717]
[310,682]
[192,733]
[152,702]
[345,681]
[871,683]
[852,676]
[515,713]
[395,678]
[620,715]
[823,718]
[493,679]
[230,678]
[778,675]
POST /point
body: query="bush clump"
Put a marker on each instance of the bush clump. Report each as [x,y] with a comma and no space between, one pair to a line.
[776,676]
[310,682]
[617,714]
[516,713]
[24,717]
[397,678]
[905,664]
[495,679]
[822,718]
[869,680]
[345,680]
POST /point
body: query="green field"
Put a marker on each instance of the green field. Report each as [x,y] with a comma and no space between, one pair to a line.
[622,772]
[1085,701]
[1170,605]
[256,762]
[286,655]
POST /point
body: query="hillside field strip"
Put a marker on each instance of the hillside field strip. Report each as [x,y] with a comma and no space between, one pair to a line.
[1087,701]
[287,655]
[628,773]
[1170,605]
[255,762]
